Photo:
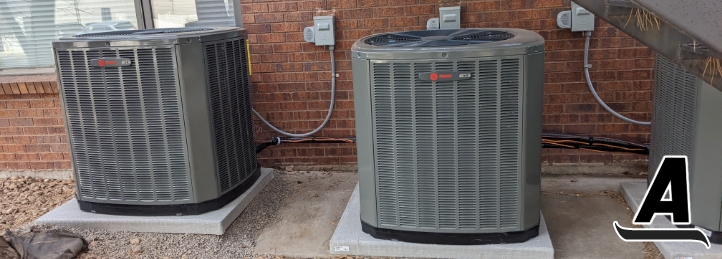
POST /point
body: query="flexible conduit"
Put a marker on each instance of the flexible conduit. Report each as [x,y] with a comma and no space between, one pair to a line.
[594,92]
[328,115]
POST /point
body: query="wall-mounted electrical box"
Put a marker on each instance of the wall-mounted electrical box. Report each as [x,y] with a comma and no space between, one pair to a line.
[323,30]
[450,17]
[582,20]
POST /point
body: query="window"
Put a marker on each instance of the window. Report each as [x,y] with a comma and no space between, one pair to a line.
[27,27]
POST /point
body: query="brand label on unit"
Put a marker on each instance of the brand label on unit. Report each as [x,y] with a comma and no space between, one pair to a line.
[440,76]
[110,62]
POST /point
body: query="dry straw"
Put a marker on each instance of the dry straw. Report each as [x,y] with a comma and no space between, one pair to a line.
[645,20]
[648,21]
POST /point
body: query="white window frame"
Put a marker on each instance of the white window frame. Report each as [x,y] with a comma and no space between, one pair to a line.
[144,16]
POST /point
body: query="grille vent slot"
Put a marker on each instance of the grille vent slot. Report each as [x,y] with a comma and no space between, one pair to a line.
[447,152]
[674,95]
[128,140]
[231,108]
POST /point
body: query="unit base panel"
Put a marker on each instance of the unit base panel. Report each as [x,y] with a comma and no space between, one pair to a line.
[172,209]
[451,238]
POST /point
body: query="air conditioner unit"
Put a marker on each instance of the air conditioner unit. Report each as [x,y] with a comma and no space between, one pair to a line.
[448,127]
[686,120]
[159,121]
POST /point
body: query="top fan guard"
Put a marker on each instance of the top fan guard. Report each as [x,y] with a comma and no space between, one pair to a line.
[438,38]
[141,32]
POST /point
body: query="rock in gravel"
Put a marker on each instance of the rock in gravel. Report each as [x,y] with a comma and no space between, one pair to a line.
[10,211]
[135,241]
[136,249]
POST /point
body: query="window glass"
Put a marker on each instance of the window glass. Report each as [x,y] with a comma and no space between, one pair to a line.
[27,27]
[192,13]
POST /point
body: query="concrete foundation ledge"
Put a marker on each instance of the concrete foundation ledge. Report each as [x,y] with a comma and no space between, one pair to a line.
[633,193]
[348,239]
[213,222]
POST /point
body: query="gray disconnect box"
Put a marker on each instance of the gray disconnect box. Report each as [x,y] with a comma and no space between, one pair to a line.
[323,30]
[450,17]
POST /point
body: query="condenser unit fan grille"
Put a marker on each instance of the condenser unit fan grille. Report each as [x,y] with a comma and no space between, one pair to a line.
[438,38]
[232,122]
[125,125]
[448,152]
[141,32]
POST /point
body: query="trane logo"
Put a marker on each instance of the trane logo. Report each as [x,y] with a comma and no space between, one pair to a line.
[438,76]
[110,62]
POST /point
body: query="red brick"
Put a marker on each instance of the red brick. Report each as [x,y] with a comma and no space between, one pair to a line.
[269,17]
[9,113]
[51,156]
[7,157]
[62,165]
[298,17]
[389,11]
[356,13]
[59,148]
[271,37]
[341,4]
[35,130]
[282,7]
[311,5]
[46,122]
[286,47]
[21,122]
[27,156]
[286,27]
[41,165]
[13,148]
[254,8]
[258,28]
[18,104]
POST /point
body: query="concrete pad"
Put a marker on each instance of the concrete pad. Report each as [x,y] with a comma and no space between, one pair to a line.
[581,227]
[213,222]
[634,193]
[348,239]
[309,216]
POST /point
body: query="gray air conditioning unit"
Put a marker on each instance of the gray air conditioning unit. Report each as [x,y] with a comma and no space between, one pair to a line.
[159,120]
[686,120]
[448,124]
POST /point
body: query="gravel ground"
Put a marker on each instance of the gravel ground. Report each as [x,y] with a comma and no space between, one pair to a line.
[23,199]
[237,242]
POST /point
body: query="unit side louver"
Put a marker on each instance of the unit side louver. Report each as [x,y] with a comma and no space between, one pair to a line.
[232,123]
[125,125]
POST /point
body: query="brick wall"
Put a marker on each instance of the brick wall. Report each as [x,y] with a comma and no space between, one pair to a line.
[292,79]
[32,131]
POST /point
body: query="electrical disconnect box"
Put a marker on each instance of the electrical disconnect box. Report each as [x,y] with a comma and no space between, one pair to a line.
[582,19]
[450,17]
[323,30]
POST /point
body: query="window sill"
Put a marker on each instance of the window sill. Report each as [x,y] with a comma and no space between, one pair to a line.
[28,81]
[27,71]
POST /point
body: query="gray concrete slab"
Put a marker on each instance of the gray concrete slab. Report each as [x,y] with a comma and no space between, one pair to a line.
[309,216]
[214,222]
[633,193]
[581,226]
[348,239]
